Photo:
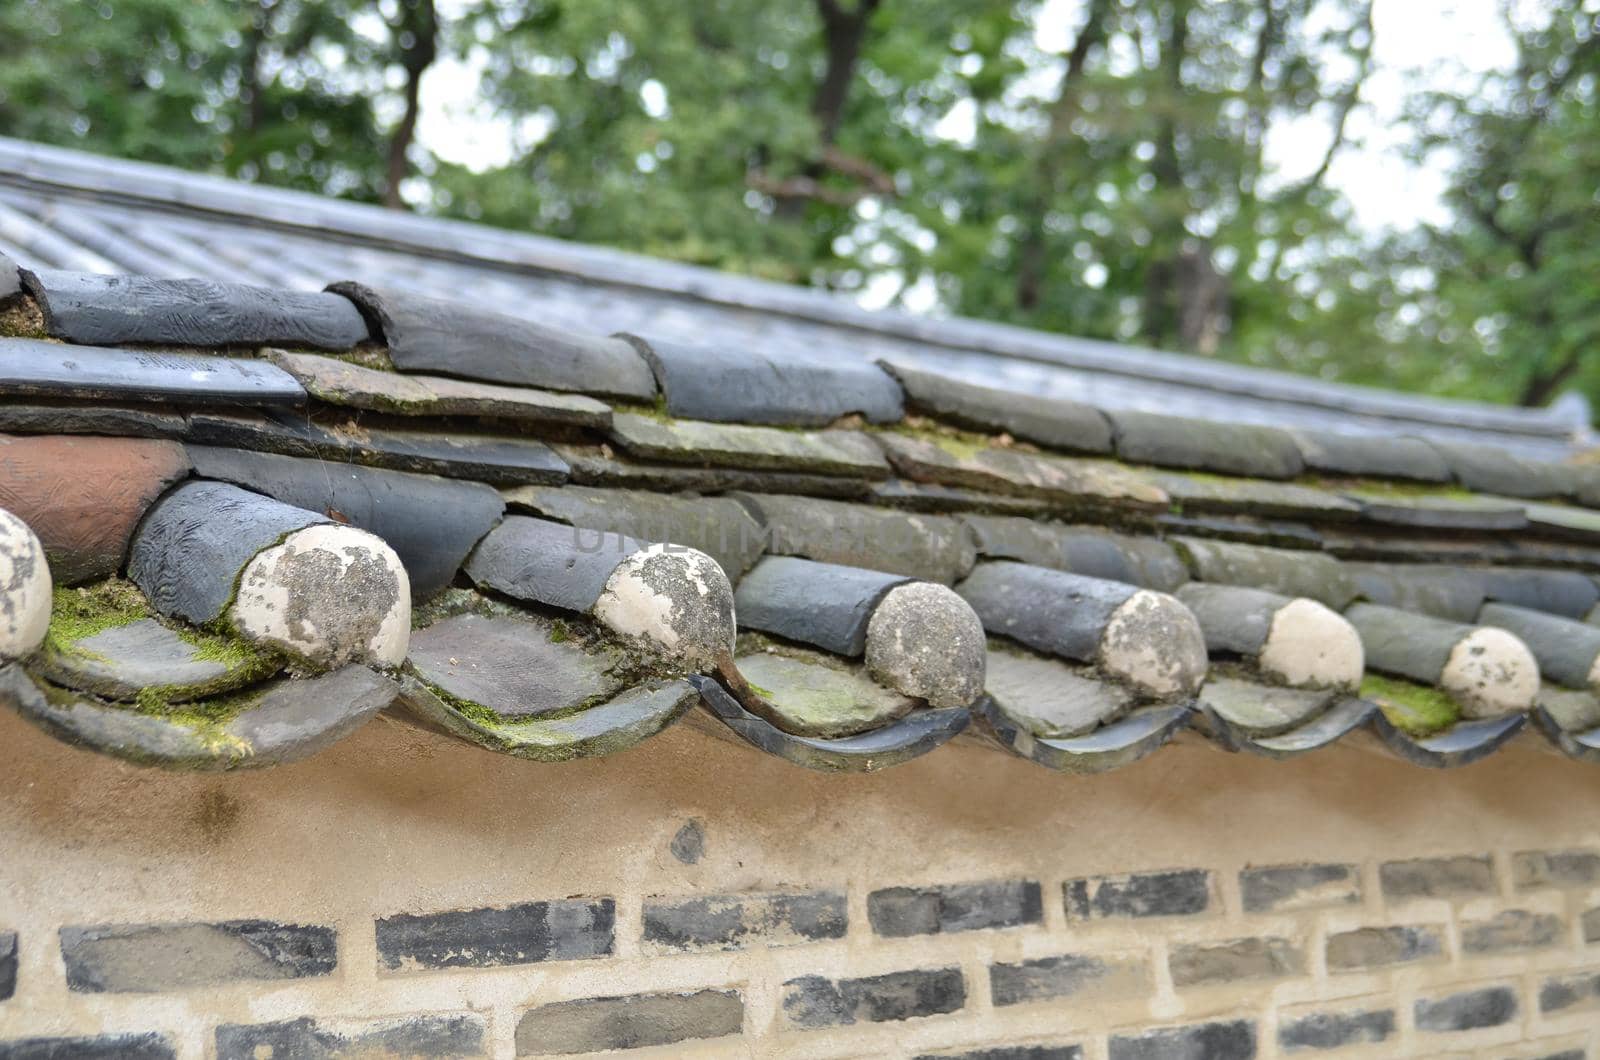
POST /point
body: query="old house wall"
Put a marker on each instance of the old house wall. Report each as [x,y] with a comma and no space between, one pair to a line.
[404,892]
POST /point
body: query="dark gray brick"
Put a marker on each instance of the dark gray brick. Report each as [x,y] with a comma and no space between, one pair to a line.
[1590,922]
[1563,993]
[899,912]
[567,930]
[813,1001]
[1278,888]
[1377,947]
[136,958]
[1179,892]
[1208,963]
[8,964]
[1514,929]
[1565,1054]
[1335,1030]
[106,1047]
[1437,877]
[304,1039]
[633,1021]
[733,921]
[1230,1040]
[1069,975]
[1012,1052]
[1469,1010]
[1556,868]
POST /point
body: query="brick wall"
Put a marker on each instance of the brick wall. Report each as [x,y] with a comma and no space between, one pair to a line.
[403,895]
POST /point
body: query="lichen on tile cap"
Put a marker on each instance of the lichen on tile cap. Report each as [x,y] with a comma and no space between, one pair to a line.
[329,595]
[25,590]
[1310,645]
[925,641]
[677,600]
[1490,672]
[1154,643]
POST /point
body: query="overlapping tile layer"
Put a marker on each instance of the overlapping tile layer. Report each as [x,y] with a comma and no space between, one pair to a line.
[242,521]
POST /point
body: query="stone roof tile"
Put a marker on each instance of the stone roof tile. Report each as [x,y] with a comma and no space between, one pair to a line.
[728,385]
[832,549]
[1225,448]
[448,338]
[1066,425]
[95,310]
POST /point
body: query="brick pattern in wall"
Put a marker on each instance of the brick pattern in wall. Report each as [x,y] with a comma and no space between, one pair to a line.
[1469,955]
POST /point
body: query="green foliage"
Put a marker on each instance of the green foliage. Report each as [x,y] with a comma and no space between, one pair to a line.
[1115,185]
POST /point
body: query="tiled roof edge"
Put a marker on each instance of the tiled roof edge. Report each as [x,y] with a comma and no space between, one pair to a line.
[24,163]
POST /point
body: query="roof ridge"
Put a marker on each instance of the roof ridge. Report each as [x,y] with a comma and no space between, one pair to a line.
[24,165]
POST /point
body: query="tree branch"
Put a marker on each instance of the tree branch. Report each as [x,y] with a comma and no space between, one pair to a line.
[1347,104]
[418,20]
[1031,252]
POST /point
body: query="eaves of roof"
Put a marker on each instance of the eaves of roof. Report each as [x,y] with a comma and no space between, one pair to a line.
[245,519]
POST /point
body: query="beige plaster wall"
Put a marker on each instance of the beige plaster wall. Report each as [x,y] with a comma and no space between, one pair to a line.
[396,820]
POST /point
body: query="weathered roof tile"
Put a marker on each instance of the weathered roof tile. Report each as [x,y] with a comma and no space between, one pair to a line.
[1052,422]
[35,368]
[450,338]
[84,495]
[822,604]
[717,526]
[1080,549]
[1290,573]
[1049,698]
[338,382]
[548,563]
[1146,638]
[1370,455]
[1490,470]
[1453,593]
[1568,652]
[1253,709]
[120,662]
[1067,480]
[124,421]
[432,523]
[900,741]
[1270,500]
[599,465]
[811,696]
[1439,511]
[1225,448]
[1486,671]
[512,667]
[832,452]
[97,310]
[727,385]
[502,460]
[934,547]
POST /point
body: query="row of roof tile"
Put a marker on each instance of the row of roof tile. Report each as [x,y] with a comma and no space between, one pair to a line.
[422,335]
[271,512]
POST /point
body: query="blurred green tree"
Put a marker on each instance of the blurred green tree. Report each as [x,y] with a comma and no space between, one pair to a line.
[1518,269]
[288,92]
[924,152]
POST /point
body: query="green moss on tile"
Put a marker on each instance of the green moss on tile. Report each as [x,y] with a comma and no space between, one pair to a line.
[959,444]
[1414,709]
[79,613]
[1390,489]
